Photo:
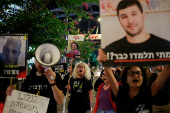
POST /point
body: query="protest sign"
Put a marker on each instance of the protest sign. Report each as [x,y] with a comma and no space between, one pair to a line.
[21,102]
[13,51]
[137,35]
[73,46]
[60,68]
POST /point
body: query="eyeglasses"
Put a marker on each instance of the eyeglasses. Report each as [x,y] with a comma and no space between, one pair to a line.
[132,73]
[80,66]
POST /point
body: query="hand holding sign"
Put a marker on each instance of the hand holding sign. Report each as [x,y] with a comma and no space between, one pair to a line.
[101,56]
[9,90]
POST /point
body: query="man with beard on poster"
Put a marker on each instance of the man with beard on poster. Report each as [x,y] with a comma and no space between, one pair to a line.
[137,44]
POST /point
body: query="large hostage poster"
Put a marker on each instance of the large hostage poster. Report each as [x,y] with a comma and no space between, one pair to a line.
[138,34]
[13,51]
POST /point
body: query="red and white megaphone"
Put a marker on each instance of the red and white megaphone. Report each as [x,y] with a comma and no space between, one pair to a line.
[47,55]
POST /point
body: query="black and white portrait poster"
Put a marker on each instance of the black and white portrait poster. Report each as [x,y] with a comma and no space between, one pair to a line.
[13,50]
[73,46]
[135,32]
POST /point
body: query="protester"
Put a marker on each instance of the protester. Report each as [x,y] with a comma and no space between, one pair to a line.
[136,94]
[80,89]
[148,71]
[161,100]
[66,79]
[99,81]
[4,83]
[41,84]
[104,103]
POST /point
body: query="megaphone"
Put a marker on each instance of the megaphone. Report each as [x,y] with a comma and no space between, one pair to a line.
[47,55]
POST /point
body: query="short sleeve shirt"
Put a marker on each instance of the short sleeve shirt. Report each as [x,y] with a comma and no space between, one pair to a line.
[141,103]
[79,93]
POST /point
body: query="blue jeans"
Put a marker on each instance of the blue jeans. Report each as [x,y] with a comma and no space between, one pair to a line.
[110,111]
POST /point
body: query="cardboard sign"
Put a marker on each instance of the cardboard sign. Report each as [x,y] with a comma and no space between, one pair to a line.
[140,39]
[13,51]
[21,102]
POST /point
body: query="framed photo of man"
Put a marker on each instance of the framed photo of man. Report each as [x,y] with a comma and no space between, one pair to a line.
[73,46]
[13,55]
[135,32]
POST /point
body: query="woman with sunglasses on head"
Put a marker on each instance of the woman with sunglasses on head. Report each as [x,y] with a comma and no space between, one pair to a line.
[104,103]
[135,95]
[80,89]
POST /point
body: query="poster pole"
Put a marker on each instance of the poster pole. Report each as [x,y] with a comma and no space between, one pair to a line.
[10,81]
[69,83]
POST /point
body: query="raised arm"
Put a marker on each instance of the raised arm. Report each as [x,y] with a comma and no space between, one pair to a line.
[58,94]
[158,83]
[111,80]
[108,73]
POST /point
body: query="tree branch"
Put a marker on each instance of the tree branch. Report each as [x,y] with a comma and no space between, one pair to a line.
[42,7]
[34,5]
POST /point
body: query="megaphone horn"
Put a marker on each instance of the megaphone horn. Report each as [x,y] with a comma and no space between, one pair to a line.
[47,55]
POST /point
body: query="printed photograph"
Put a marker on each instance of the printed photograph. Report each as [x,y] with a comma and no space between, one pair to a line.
[137,34]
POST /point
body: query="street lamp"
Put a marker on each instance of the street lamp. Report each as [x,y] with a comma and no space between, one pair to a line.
[99,19]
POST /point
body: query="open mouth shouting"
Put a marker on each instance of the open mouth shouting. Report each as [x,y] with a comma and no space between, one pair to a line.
[135,81]
[80,72]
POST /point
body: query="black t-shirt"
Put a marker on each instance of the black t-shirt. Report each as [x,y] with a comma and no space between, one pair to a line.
[79,101]
[162,97]
[33,84]
[122,49]
[141,103]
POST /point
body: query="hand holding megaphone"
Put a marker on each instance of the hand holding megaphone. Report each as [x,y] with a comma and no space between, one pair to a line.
[47,55]
[50,76]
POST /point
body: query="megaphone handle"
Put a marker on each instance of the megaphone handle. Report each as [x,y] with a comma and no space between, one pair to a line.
[11,81]
[46,68]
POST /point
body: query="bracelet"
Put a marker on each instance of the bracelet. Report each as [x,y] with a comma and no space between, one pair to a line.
[53,83]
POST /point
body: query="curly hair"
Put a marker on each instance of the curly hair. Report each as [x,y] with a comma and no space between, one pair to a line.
[87,74]
[123,78]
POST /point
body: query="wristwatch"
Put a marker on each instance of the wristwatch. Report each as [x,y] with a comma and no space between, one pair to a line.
[53,83]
